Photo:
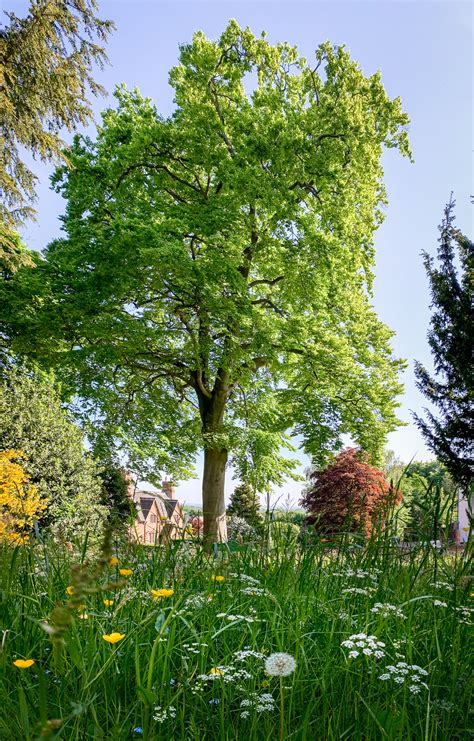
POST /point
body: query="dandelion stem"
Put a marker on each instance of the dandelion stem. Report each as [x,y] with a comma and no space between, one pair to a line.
[282,711]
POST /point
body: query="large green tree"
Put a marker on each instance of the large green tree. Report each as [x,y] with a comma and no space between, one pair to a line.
[33,421]
[46,62]
[449,434]
[213,286]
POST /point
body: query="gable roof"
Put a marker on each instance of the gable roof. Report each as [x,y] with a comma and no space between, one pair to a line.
[170,505]
[145,505]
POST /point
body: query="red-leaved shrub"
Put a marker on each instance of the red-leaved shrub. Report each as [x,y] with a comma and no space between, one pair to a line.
[350,495]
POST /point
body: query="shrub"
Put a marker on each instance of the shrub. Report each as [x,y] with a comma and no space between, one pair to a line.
[349,495]
[244,504]
[20,502]
[239,529]
[33,421]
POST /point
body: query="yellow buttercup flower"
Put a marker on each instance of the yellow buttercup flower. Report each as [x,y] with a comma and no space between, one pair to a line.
[125,572]
[113,561]
[215,670]
[158,593]
[217,578]
[24,663]
[108,602]
[113,637]
[70,590]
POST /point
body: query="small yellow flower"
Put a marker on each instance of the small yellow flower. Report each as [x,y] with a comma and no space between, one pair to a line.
[108,602]
[70,590]
[158,593]
[81,608]
[113,561]
[217,578]
[24,663]
[125,572]
[465,529]
[113,637]
[215,670]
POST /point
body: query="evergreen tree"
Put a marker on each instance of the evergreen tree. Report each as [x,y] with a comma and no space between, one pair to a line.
[115,497]
[33,422]
[45,77]
[451,388]
[244,503]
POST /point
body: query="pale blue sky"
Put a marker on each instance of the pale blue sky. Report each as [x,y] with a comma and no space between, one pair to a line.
[424,50]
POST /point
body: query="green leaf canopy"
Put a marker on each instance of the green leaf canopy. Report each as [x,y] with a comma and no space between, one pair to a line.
[213,287]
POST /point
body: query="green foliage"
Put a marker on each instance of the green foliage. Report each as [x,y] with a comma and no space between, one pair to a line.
[216,268]
[32,420]
[241,529]
[451,389]
[45,76]
[349,495]
[244,503]
[429,500]
[304,601]
[114,496]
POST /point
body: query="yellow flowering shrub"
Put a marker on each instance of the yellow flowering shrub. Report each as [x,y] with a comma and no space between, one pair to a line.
[20,502]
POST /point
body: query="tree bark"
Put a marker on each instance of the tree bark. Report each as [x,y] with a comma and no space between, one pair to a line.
[212,406]
[215,528]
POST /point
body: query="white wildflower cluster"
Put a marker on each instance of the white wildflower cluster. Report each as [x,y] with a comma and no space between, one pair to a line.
[359,574]
[360,643]
[162,714]
[343,615]
[263,703]
[192,603]
[442,585]
[225,673]
[247,653]
[194,648]
[439,603]
[134,593]
[246,618]
[403,673]
[359,590]
[465,614]
[444,705]
[280,665]
[249,580]
[253,591]
[386,610]
[399,642]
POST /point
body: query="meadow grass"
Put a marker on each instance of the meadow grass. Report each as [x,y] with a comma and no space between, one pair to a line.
[191,664]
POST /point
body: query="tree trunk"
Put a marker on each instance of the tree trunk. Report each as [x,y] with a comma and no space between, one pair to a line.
[215,528]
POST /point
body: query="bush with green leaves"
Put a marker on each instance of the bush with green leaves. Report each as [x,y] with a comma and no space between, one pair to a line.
[32,420]
[244,503]
[239,529]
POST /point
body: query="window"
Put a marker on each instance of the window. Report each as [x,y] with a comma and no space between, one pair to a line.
[153,519]
[150,537]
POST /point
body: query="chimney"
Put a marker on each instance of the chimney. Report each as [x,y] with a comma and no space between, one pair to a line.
[169,489]
[131,484]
